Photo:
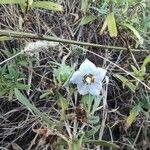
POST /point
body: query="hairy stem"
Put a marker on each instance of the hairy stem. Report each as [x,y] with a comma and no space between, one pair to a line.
[16,34]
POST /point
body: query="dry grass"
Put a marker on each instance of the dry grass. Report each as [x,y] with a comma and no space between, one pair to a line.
[16,121]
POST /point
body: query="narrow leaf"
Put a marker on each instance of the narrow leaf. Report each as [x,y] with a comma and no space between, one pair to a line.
[22,86]
[146,61]
[92,131]
[135,70]
[5,38]
[94,120]
[126,82]
[87,19]
[76,144]
[47,5]
[97,101]
[103,27]
[30,2]
[102,143]
[136,33]
[62,103]
[84,5]
[23,7]
[87,102]
[45,94]
[133,113]
[111,25]
[22,99]
[11,1]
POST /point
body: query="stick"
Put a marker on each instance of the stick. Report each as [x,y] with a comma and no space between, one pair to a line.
[16,34]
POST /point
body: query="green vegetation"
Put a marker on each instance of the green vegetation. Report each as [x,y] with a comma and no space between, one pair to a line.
[43,48]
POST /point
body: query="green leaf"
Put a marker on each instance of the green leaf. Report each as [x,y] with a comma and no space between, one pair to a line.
[84,5]
[3,91]
[97,101]
[10,95]
[63,73]
[136,33]
[126,82]
[11,1]
[124,11]
[103,27]
[138,73]
[133,113]
[30,2]
[135,70]
[45,94]
[92,131]
[22,86]
[47,5]
[111,25]
[62,103]
[76,144]
[87,19]
[5,38]
[87,102]
[22,99]
[23,7]
[94,119]
[102,143]
[146,61]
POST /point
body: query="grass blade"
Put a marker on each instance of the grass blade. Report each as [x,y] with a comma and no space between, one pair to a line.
[47,5]
[102,143]
[136,33]
[87,19]
[133,113]
[11,1]
[22,99]
[111,25]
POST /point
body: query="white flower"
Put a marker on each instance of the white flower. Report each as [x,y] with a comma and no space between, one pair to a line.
[33,48]
[88,78]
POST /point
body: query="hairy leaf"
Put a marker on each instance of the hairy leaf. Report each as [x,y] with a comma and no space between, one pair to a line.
[87,19]
[145,62]
[84,5]
[11,1]
[102,143]
[62,103]
[133,113]
[30,2]
[103,27]
[111,22]
[5,38]
[136,33]
[126,82]
[47,5]
[22,99]
[92,131]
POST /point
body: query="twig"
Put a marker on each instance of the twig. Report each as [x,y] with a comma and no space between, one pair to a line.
[16,34]
[104,109]
[29,78]
[137,136]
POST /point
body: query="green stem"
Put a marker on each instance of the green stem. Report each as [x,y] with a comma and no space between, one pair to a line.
[102,143]
[16,34]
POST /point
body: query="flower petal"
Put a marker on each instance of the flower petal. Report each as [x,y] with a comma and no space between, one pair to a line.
[76,77]
[99,74]
[95,89]
[87,67]
[83,89]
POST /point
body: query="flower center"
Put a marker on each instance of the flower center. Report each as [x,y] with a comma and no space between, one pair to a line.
[88,79]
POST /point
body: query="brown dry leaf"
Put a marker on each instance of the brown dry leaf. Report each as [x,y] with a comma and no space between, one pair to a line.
[81,114]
